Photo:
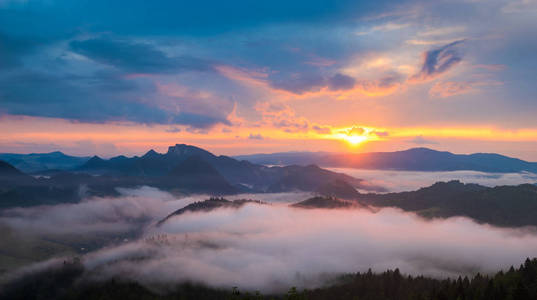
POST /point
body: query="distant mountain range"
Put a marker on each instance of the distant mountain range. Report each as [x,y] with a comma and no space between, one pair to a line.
[416,159]
[242,175]
[184,169]
[35,162]
[156,164]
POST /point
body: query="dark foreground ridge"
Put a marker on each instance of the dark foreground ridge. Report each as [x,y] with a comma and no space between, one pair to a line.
[72,281]
[508,206]
[210,205]
[325,202]
[504,206]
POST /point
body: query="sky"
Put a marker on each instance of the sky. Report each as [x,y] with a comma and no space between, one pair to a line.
[239,77]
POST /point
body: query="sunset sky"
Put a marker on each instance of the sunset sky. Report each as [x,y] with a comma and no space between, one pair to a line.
[238,77]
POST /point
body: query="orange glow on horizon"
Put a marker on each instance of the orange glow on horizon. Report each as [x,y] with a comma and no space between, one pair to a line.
[20,133]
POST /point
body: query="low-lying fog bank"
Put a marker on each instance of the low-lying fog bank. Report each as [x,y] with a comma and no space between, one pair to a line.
[267,247]
[400,181]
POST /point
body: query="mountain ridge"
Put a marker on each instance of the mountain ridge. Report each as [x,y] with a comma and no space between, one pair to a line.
[184,169]
[34,162]
[414,159]
[243,175]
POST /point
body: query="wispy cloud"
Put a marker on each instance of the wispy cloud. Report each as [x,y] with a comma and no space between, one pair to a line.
[438,61]
[444,89]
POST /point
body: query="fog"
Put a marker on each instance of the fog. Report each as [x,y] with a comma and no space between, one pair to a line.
[271,247]
[399,181]
[134,210]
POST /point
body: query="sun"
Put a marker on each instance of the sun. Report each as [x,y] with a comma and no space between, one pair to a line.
[357,135]
[355,140]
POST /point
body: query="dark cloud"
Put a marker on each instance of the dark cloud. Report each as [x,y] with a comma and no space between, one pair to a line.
[98,98]
[12,49]
[321,129]
[180,17]
[298,83]
[136,57]
[308,82]
[438,61]
[173,130]
[199,120]
[341,82]
[255,136]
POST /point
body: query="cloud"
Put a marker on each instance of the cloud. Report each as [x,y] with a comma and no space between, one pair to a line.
[341,82]
[338,84]
[438,61]
[92,216]
[355,130]
[322,129]
[420,140]
[255,136]
[298,83]
[380,133]
[384,28]
[402,181]
[445,89]
[520,6]
[13,48]
[271,247]
[173,130]
[282,116]
[100,97]
[380,87]
[136,57]
[442,31]
[104,96]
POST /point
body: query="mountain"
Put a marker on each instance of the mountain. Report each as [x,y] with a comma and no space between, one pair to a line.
[338,188]
[243,175]
[7,170]
[209,205]
[196,175]
[307,178]
[151,164]
[11,176]
[510,206]
[324,202]
[35,162]
[416,159]
[184,169]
